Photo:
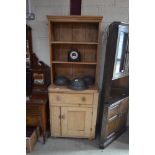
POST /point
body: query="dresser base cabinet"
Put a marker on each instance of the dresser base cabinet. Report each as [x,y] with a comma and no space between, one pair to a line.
[73,116]
[114,121]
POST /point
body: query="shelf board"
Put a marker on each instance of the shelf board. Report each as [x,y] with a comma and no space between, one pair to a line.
[77,63]
[71,42]
[54,88]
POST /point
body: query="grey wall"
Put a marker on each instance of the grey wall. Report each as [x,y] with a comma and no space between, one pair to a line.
[111,10]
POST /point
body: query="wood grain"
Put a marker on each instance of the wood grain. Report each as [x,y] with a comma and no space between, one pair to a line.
[74,32]
[55,121]
[81,117]
[94,115]
[73,113]
[70,98]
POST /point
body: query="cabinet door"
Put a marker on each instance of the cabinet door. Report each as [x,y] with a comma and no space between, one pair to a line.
[111,126]
[76,121]
[55,120]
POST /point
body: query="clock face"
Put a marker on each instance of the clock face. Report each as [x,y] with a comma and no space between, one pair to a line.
[74,55]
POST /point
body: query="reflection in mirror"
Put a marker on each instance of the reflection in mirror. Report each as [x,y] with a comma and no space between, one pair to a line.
[121,57]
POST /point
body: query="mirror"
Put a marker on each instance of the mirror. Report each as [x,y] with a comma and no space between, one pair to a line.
[122,53]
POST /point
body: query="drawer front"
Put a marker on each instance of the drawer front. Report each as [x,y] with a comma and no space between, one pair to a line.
[71,98]
[111,126]
[113,110]
[121,122]
[124,105]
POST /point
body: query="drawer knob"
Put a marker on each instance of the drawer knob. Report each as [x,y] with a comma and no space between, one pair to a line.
[83,99]
[63,116]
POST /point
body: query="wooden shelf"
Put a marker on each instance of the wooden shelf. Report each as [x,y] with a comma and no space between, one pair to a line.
[76,63]
[71,42]
[55,88]
[82,36]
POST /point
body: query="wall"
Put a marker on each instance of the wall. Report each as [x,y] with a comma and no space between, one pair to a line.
[111,10]
[39,26]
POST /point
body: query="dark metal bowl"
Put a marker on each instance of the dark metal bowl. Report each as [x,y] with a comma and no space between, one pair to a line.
[89,79]
[78,84]
[62,81]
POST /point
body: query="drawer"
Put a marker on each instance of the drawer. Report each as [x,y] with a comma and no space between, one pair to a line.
[71,98]
[111,126]
[124,105]
[113,110]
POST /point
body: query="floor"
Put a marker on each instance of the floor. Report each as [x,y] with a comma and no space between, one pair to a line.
[65,146]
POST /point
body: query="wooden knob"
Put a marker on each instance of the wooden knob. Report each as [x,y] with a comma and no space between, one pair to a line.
[62,116]
[83,99]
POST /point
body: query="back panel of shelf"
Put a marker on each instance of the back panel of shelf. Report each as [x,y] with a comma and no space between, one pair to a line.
[73,70]
[81,35]
[87,52]
[74,32]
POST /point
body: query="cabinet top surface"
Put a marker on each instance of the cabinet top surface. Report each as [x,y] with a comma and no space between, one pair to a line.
[75,18]
[54,88]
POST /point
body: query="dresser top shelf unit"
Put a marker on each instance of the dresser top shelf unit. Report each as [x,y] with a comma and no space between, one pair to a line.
[80,33]
[73,113]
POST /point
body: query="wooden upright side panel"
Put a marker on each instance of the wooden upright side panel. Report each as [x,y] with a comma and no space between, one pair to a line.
[94,115]
[97,54]
[50,34]
[55,121]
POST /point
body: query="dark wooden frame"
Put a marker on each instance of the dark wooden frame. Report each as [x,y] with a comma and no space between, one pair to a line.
[29,39]
[108,96]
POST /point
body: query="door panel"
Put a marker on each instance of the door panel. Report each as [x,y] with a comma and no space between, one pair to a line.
[55,120]
[76,122]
